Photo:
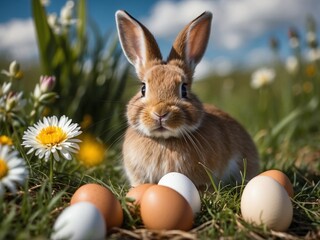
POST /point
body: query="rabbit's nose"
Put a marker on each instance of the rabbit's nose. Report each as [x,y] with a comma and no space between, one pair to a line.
[160,116]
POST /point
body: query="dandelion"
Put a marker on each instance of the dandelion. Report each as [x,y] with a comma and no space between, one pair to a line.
[262,77]
[13,171]
[91,151]
[5,140]
[52,137]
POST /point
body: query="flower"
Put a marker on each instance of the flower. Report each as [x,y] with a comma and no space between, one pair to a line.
[292,65]
[91,151]
[14,71]
[52,137]
[66,14]
[11,106]
[12,169]
[262,77]
[53,22]
[5,140]
[47,83]
[41,92]
[5,88]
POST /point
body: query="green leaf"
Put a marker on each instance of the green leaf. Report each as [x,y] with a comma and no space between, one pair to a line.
[45,36]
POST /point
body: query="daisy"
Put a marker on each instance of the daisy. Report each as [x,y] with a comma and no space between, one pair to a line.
[52,137]
[12,169]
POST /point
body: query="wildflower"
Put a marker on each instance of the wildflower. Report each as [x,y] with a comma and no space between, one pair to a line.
[45,3]
[5,140]
[66,14]
[262,77]
[11,106]
[5,88]
[52,137]
[42,90]
[91,151]
[86,121]
[53,22]
[313,55]
[12,169]
[14,71]
[293,38]
[311,70]
[292,65]
[47,83]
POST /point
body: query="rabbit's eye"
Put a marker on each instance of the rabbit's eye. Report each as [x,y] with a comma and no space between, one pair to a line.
[184,90]
[143,89]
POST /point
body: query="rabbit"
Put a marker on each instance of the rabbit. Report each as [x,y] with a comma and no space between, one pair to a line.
[169,128]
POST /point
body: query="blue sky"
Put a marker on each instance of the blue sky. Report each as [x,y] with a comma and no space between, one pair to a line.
[240,30]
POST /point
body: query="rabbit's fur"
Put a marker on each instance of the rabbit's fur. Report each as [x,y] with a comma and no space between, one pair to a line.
[170,130]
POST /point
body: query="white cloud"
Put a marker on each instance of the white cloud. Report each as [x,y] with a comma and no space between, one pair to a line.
[235,22]
[220,66]
[18,39]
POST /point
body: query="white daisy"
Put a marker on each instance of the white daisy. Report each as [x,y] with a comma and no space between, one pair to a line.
[13,170]
[52,137]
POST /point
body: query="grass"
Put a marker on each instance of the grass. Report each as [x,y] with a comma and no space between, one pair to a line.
[282,118]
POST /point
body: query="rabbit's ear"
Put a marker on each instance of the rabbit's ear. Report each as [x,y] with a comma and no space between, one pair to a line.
[192,41]
[137,42]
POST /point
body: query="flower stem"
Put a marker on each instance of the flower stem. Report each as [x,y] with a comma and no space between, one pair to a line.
[51,171]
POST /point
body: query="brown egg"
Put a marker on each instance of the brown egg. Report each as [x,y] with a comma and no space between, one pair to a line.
[281,178]
[137,192]
[162,208]
[104,200]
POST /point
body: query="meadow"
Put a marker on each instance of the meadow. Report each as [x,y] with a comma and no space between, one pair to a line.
[84,78]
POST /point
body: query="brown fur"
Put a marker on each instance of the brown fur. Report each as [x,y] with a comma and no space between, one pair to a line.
[169,132]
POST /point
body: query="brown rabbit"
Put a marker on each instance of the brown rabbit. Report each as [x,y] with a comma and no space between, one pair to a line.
[170,130]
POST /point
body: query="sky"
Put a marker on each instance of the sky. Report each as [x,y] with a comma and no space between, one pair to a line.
[240,32]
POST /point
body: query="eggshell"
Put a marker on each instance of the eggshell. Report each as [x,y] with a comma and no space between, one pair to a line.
[265,201]
[104,200]
[183,185]
[79,221]
[137,192]
[281,178]
[162,208]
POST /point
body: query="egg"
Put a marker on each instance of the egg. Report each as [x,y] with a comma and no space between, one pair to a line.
[265,201]
[163,208]
[137,192]
[104,200]
[183,185]
[79,221]
[281,178]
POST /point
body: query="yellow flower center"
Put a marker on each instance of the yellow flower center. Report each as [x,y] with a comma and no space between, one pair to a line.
[4,140]
[51,135]
[3,168]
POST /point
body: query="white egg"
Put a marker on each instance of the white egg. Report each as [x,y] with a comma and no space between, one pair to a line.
[79,221]
[265,201]
[183,185]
